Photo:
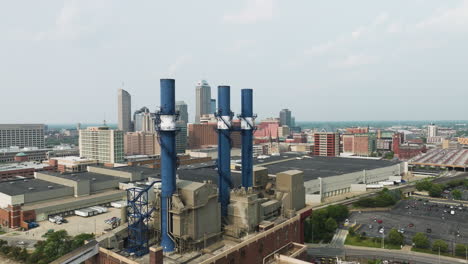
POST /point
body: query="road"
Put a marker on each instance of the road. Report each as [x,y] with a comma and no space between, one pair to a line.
[397,255]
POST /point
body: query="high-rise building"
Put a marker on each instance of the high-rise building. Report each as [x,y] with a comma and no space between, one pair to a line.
[205,135]
[181,136]
[103,144]
[327,144]
[285,117]
[293,121]
[431,130]
[283,131]
[141,143]
[22,135]
[143,120]
[212,106]
[181,106]
[124,110]
[203,100]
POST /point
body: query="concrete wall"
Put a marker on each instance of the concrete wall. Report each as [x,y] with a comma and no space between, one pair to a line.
[81,188]
[47,195]
[133,176]
[358,188]
[97,186]
[340,184]
[46,209]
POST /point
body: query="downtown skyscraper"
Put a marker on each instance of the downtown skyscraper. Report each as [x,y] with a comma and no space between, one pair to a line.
[203,100]
[124,111]
[181,106]
[285,117]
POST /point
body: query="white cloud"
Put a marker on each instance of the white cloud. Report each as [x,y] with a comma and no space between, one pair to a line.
[256,10]
[345,39]
[449,19]
[74,19]
[177,64]
[355,60]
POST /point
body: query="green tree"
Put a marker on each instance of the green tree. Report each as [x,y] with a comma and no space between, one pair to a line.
[439,244]
[461,250]
[395,237]
[457,194]
[424,185]
[420,240]
[331,225]
[436,190]
[15,253]
[338,212]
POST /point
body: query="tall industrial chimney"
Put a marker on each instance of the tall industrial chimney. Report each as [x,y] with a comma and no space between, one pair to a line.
[224,116]
[167,131]
[247,126]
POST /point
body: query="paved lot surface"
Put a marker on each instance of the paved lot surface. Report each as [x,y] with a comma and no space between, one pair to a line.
[76,225]
[329,253]
[433,219]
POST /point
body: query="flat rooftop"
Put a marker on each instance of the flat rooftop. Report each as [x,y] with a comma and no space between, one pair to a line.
[18,187]
[144,170]
[22,166]
[91,176]
[315,167]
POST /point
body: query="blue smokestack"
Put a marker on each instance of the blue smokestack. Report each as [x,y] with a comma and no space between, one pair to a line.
[167,130]
[247,127]
[224,146]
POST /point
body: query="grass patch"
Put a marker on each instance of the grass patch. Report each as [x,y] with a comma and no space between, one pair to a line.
[429,251]
[367,242]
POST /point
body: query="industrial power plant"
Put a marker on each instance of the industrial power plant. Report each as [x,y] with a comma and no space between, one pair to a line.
[172,218]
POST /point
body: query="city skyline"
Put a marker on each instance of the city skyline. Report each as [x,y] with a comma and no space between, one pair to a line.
[375,62]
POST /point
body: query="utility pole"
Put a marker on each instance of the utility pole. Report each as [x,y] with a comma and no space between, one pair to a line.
[439,255]
[383,240]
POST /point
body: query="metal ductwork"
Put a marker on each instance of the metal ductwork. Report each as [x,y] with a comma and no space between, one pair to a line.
[166,119]
[224,116]
[247,128]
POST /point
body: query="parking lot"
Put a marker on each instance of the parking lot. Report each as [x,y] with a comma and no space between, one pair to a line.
[413,216]
[75,225]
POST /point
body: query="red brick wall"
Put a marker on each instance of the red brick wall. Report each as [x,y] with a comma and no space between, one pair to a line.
[348,143]
[200,135]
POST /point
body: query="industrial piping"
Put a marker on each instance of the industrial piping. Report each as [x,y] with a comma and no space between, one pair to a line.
[167,130]
[247,127]
[224,116]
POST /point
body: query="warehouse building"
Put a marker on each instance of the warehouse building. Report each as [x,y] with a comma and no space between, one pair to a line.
[53,193]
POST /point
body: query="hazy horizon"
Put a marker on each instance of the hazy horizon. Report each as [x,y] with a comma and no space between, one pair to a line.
[327,61]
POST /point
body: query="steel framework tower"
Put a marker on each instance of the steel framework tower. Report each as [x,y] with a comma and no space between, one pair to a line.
[138,215]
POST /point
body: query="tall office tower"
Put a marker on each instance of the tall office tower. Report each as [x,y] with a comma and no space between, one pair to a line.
[203,100]
[124,110]
[212,106]
[327,144]
[181,136]
[431,130]
[293,121]
[103,144]
[285,117]
[22,135]
[141,143]
[143,120]
[181,106]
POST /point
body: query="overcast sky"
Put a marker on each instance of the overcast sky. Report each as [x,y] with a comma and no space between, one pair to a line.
[63,61]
